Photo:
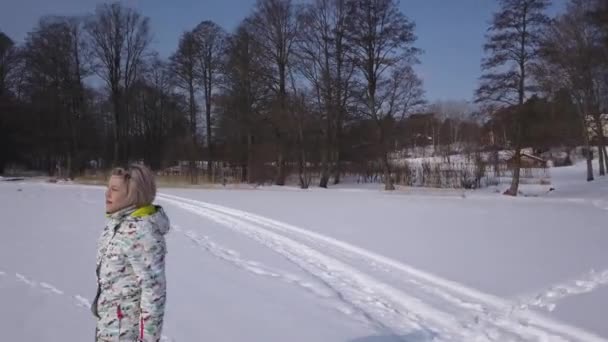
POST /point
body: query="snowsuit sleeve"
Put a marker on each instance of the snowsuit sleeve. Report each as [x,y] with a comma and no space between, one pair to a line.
[146,253]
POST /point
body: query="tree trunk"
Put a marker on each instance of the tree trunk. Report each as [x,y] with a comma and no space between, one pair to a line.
[587,143]
[116,130]
[324,167]
[435,134]
[69,166]
[388,180]
[209,137]
[75,160]
[601,141]
[304,184]
[192,172]
[386,168]
[337,166]
[605,158]
[192,167]
[281,172]
[126,136]
[192,109]
[250,168]
[590,177]
[326,152]
[600,152]
[302,171]
[281,175]
[514,189]
[116,136]
[496,161]
[336,157]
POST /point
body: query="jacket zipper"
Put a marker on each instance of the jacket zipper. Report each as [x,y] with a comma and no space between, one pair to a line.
[119,315]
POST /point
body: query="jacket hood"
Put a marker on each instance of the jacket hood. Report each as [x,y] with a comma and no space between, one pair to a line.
[158,219]
[153,214]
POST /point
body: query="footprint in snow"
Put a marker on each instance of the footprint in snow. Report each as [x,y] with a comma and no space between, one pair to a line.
[24,279]
[82,302]
[51,288]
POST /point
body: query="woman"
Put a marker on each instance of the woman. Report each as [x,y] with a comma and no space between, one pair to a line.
[131,292]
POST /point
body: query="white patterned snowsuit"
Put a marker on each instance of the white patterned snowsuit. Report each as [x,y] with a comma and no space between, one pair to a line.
[131,295]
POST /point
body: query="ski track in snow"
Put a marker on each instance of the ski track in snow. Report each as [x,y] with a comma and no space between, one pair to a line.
[358,290]
[494,319]
[323,290]
[546,299]
[487,316]
[257,268]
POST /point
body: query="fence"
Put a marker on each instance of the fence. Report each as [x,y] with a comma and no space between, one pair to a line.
[455,175]
[469,175]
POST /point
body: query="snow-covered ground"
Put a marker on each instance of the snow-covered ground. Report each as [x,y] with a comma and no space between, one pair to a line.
[345,264]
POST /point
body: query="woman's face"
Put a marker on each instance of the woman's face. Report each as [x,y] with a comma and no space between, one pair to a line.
[116,194]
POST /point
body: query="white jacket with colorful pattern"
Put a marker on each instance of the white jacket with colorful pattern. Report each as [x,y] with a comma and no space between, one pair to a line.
[131,295]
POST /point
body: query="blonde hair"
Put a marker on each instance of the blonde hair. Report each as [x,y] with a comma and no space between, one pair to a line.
[141,185]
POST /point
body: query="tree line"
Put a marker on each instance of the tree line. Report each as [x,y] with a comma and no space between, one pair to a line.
[329,85]
[561,59]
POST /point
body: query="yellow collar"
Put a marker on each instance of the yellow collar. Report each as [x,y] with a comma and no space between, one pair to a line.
[144,211]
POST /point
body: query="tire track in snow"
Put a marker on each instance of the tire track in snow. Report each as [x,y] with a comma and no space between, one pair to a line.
[384,305]
[490,310]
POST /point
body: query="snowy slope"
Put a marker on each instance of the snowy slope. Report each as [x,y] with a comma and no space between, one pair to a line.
[333,265]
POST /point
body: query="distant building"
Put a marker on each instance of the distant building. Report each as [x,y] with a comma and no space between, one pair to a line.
[529,161]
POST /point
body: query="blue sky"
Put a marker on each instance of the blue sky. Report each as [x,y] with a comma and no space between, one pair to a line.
[451,32]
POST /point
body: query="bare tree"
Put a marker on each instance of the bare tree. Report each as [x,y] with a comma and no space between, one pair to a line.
[8,59]
[323,56]
[452,114]
[275,26]
[244,95]
[382,40]
[344,82]
[597,15]
[571,60]
[120,37]
[54,55]
[211,45]
[79,69]
[184,66]
[301,115]
[8,66]
[156,109]
[512,46]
